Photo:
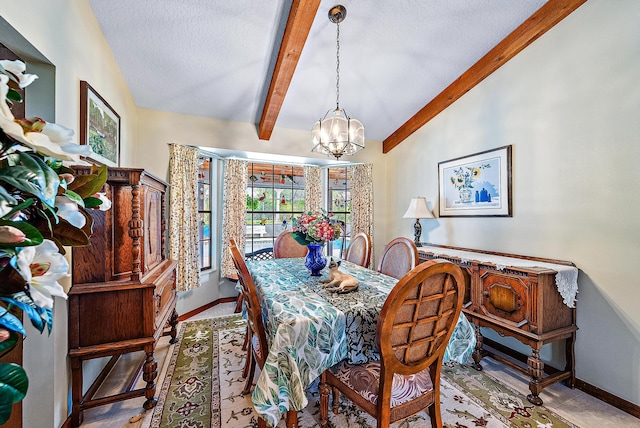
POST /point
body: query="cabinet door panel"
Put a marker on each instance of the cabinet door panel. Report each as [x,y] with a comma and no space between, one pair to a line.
[122,242]
[505,297]
[152,215]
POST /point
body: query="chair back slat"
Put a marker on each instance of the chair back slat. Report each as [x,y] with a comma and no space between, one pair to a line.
[398,257]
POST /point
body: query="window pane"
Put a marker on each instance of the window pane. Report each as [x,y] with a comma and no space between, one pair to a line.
[204,173]
[339,207]
[204,197]
[205,215]
[205,254]
[275,196]
[206,226]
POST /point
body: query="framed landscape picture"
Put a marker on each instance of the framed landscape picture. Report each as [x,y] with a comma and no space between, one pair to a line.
[99,127]
[477,185]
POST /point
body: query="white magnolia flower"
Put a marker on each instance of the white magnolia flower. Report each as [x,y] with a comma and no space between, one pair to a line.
[41,267]
[17,68]
[106,203]
[53,140]
[68,210]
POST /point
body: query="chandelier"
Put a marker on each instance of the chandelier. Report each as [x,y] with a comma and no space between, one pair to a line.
[337,134]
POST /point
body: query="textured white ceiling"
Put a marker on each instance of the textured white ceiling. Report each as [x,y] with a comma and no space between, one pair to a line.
[214,58]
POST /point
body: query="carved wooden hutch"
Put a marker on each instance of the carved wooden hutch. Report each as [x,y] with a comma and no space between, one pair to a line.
[516,298]
[123,293]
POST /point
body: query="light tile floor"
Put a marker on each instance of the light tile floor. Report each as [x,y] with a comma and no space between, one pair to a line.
[572,404]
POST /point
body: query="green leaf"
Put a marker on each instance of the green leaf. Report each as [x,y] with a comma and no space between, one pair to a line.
[31,178]
[26,204]
[10,321]
[51,180]
[22,178]
[14,95]
[88,185]
[66,234]
[13,388]
[46,315]
[27,305]
[74,197]
[6,198]
[34,237]
[9,343]
[92,202]
[300,238]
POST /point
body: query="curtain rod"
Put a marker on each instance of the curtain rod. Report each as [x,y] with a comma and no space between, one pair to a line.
[200,150]
[269,162]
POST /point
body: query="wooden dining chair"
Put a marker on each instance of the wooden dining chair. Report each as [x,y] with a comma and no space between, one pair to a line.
[398,257]
[262,254]
[259,347]
[414,327]
[359,251]
[285,247]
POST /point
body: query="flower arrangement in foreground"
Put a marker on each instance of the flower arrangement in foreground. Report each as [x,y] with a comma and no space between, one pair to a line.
[42,210]
[315,228]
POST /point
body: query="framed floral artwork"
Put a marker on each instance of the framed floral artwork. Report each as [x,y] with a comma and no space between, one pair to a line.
[477,185]
[99,127]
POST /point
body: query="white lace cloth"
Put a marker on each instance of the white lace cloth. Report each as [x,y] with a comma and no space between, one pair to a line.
[566,276]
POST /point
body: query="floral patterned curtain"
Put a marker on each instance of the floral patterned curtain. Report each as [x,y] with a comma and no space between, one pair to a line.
[183,221]
[361,181]
[312,189]
[233,213]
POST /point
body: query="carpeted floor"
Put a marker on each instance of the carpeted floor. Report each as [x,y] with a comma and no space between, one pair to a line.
[204,380]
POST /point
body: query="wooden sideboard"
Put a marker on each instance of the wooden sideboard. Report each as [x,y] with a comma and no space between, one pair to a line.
[124,292]
[521,302]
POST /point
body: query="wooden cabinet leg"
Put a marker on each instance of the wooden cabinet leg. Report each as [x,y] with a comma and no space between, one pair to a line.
[536,371]
[76,392]
[150,371]
[477,353]
[570,364]
[173,322]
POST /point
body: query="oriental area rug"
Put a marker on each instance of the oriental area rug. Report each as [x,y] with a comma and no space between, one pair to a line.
[204,381]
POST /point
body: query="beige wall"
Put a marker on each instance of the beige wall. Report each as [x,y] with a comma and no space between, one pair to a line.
[569,105]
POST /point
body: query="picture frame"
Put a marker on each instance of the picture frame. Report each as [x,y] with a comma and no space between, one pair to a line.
[99,127]
[477,185]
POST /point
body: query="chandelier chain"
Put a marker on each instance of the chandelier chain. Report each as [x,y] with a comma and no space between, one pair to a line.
[338,66]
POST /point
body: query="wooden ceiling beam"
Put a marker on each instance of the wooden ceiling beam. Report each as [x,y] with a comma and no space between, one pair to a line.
[536,25]
[301,17]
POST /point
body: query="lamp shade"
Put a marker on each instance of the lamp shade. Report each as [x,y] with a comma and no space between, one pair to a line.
[418,209]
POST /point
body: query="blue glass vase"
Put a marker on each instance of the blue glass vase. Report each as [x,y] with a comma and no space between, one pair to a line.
[315,260]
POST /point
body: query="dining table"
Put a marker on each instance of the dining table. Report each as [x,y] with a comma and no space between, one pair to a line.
[310,329]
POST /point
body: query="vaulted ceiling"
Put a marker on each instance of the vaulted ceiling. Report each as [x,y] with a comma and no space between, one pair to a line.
[273,63]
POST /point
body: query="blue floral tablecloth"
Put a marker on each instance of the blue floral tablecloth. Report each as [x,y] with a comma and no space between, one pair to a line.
[310,329]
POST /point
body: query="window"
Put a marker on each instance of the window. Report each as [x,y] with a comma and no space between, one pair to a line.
[339,207]
[204,212]
[275,194]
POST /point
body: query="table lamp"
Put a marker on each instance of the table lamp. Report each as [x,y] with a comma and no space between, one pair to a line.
[418,209]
